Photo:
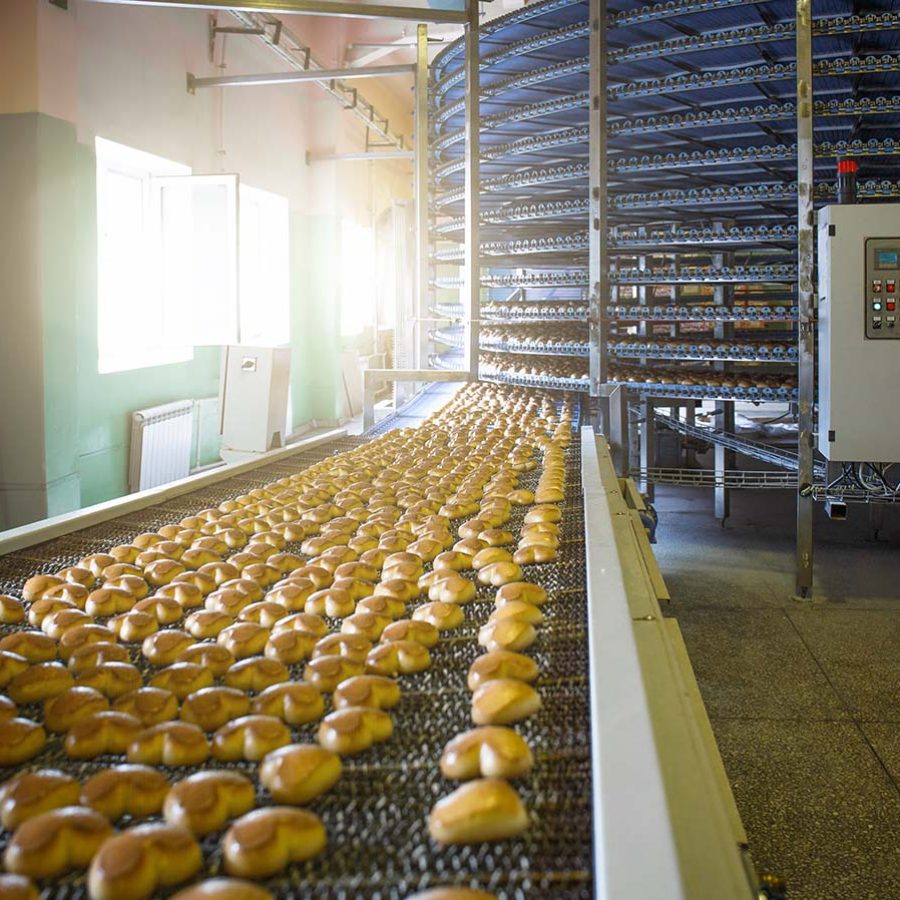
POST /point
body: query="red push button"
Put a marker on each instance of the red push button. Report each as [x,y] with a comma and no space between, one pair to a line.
[892,287]
[891,305]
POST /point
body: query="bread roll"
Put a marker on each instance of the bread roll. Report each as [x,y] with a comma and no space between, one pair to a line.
[83,636]
[17,887]
[92,655]
[8,709]
[134,791]
[298,773]
[318,575]
[34,587]
[522,591]
[209,655]
[249,737]
[112,679]
[187,596]
[224,889]
[51,843]
[454,560]
[73,593]
[290,647]
[327,672]
[444,616]
[109,601]
[452,893]
[169,744]
[359,570]
[133,627]
[11,664]
[295,702]
[59,622]
[487,809]
[488,752]
[398,658]
[165,610]
[496,537]
[207,801]
[244,639]
[149,705]
[40,609]
[182,679]
[137,863]
[206,584]
[350,646]
[535,554]
[265,613]
[500,573]
[503,701]
[71,706]
[39,682]
[256,674]
[421,632]
[220,572]
[32,793]
[366,624]
[264,842]
[132,583]
[34,646]
[165,647]
[96,563]
[308,622]
[518,610]
[211,708]
[101,733]
[371,691]
[204,624]
[357,588]
[354,729]
[12,610]
[399,589]
[452,589]
[507,634]
[543,513]
[20,739]
[228,601]
[335,604]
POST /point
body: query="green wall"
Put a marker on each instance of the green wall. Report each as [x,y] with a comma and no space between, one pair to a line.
[50,287]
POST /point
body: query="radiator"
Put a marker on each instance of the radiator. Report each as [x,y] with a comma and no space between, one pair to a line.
[160,445]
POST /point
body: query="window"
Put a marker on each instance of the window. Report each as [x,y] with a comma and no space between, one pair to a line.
[264,317]
[137,317]
[358,294]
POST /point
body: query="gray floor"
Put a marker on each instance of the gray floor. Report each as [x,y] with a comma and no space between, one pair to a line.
[804,698]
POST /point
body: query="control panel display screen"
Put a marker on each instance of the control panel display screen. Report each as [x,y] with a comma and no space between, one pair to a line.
[887,258]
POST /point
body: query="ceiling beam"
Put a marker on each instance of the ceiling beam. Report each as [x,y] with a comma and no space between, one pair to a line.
[293,77]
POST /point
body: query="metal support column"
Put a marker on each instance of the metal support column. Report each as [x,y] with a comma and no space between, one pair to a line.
[598,231]
[472,273]
[420,177]
[724,459]
[806,329]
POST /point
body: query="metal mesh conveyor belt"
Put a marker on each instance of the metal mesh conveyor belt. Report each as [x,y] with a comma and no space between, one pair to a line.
[375,817]
[701,181]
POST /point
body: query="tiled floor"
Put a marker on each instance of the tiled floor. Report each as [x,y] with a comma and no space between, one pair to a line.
[804,698]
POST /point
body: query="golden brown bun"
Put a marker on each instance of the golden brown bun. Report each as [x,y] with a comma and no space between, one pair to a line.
[40,609]
[126,790]
[224,889]
[308,622]
[256,674]
[100,734]
[34,588]
[109,601]
[207,623]
[452,893]
[133,627]
[149,705]
[249,737]
[543,513]
[20,739]
[17,887]
[491,751]
[266,841]
[32,793]
[265,613]
[206,801]
[8,709]
[507,634]
[92,655]
[411,630]
[165,610]
[504,701]
[354,729]
[535,554]
[83,636]
[490,555]
[452,589]
[244,639]
[40,682]
[213,707]
[135,864]
[228,601]
[444,616]
[209,655]
[401,589]
[327,672]
[165,647]
[373,691]
[182,679]
[298,773]
[335,604]
[51,843]
[35,646]
[11,664]
[357,588]
[501,664]
[71,706]
[519,610]
[290,647]
[381,605]
[112,679]
[522,591]
[169,744]
[187,596]
[487,809]
[365,624]
[294,702]
[398,658]
[500,573]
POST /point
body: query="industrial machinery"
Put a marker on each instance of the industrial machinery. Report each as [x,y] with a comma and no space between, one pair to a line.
[667,262]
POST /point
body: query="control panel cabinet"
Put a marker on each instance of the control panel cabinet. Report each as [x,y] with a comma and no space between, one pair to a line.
[859,332]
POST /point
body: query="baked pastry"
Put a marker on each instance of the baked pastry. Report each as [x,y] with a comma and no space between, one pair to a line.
[265,841]
[361,570]
[412,630]
[39,682]
[318,575]
[206,584]
[83,636]
[51,843]
[32,793]
[118,569]
[109,601]
[228,601]
[101,733]
[487,809]
[133,627]
[130,582]
[182,679]
[503,701]
[8,709]
[264,612]
[327,672]
[17,887]
[165,647]
[11,664]
[40,609]
[519,610]
[298,773]
[354,729]
[398,658]
[80,575]
[96,563]
[543,513]
[256,674]
[34,587]
[500,573]
[357,588]
[507,634]
[195,557]
[351,646]
[213,707]
[112,679]
[165,610]
[64,710]
[209,655]
[127,790]
[452,893]
[521,591]
[207,623]
[400,589]
[206,801]
[404,571]
[444,616]
[169,744]
[149,705]
[535,554]
[295,702]
[491,751]
[187,596]
[452,589]
[371,691]
[490,555]
[220,572]
[34,646]
[250,737]
[62,620]
[224,889]
[453,560]
[293,594]
[501,664]
[366,624]
[20,739]
[290,647]
[335,604]
[386,607]
[244,639]
[308,622]
[137,863]
[91,655]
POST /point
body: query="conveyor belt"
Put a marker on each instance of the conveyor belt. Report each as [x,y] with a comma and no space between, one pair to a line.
[378,846]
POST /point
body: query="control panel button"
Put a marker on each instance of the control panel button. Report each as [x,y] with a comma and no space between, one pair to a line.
[876,305]
[876,322]
[891,287]
[891,305]
[876,286]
